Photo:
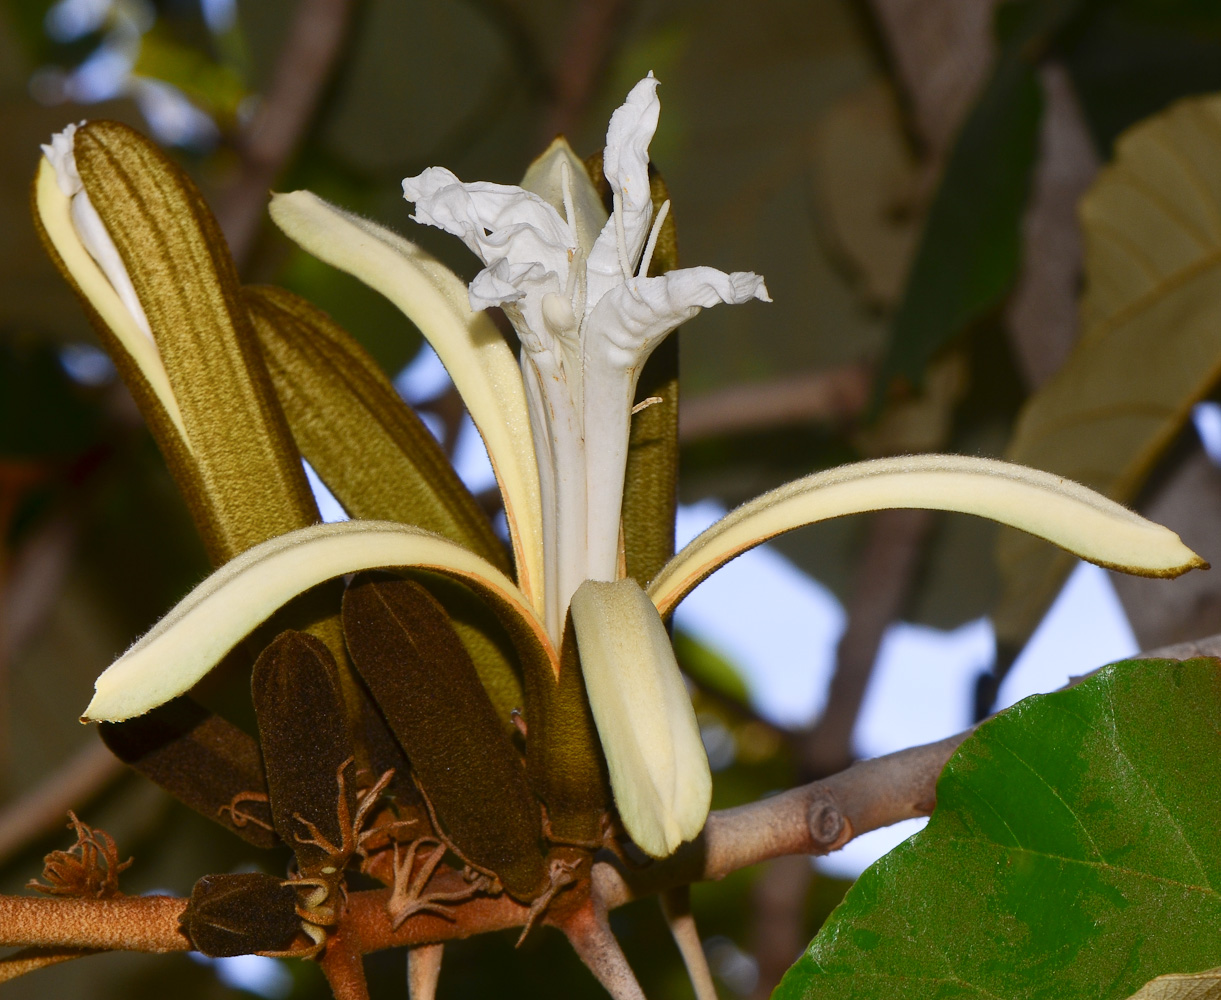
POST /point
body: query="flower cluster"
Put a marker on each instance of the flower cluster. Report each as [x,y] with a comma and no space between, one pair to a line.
[238,384]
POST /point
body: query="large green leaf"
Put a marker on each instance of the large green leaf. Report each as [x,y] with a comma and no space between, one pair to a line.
[1151,340]
[1073,853]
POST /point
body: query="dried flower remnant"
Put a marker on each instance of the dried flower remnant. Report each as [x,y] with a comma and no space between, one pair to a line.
[89,869]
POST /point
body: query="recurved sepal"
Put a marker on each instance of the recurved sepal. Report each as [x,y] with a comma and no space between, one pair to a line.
[240,914]
[420,675]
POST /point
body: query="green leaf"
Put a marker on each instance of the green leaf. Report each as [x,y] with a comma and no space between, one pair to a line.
[1151,335]
[1073,854]
[709,668]
[970,248]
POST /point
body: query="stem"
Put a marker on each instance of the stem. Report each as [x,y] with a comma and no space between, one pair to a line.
[423,971]
[32,959]
[591,938]
[126,923]
[344,969]
[676,907]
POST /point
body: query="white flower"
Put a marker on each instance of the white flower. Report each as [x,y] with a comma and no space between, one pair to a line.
[574,284]
[587,316]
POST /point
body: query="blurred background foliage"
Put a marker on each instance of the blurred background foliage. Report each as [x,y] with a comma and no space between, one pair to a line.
[903,172]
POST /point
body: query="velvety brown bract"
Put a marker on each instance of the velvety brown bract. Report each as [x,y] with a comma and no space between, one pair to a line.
[241,913]
[305,740]
[200,759]
[404,648]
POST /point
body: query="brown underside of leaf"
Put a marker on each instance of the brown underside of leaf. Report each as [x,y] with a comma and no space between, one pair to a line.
[485,640]
[304,736]
[200,759]
[426,686]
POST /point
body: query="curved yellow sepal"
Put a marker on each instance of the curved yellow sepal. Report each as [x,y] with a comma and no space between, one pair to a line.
[1059,510]
[54,211]
[658,768]
[247,590]
[473,351]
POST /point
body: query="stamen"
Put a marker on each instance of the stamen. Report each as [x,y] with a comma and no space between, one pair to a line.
[625,264]
[644,404]
[570,212]
[649,247]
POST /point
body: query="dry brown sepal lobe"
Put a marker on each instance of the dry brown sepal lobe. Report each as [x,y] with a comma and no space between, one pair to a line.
[412,661]
[89,869]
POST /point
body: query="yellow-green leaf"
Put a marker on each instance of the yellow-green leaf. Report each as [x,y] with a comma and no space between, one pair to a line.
[1151,341]
[650,738]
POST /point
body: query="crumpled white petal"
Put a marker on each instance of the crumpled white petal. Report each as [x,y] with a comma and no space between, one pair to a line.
[633,317]
[545,177]
[625,162]
[494,220]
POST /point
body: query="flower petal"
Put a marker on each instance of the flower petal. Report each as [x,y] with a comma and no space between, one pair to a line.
[625,163]
[247,590]
[634,316]
[620,334]
[658,768]
[1063,512]
[496,221]
[469,345]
